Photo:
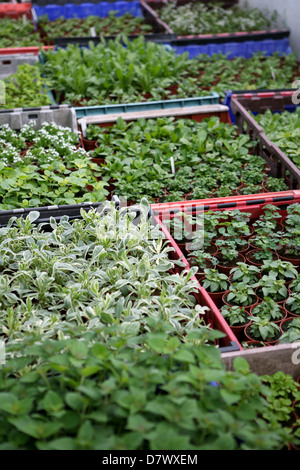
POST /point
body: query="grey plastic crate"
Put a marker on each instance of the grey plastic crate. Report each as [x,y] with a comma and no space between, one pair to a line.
[9,63]
[63,115]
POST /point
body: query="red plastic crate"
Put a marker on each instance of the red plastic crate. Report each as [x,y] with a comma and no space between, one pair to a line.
[23,50]
[252,204]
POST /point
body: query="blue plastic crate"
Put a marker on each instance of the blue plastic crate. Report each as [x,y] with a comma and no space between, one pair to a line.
[102,9]
[84,111]
[236,49]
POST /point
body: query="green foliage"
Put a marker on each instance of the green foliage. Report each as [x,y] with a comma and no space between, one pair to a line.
[283,129]
[25,89]
[199,18]
[149,70]
[81,27]
[82,394]
[18,33]
[50,171]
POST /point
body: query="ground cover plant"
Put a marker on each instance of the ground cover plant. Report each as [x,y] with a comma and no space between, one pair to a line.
[149,71]
[200,18]
[46,167]
[209,159]
[17,33]
[77,350]
[283,129]
[81,27]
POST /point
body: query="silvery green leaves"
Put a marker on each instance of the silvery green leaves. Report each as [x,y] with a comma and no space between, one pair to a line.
[199,18]
[100,272]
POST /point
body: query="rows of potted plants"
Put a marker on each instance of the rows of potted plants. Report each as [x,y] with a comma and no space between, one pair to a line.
[20,32]
[211,159]
[250,268]
[46,167]
[79,346]
[146,70]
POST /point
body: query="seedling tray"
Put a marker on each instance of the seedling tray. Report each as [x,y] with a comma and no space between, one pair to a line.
[241,104]
[238,44]
[213,98]
[63,115]
[198,113]
[73,211]
[281,166]
[252,204]
[16,10]
[35,50]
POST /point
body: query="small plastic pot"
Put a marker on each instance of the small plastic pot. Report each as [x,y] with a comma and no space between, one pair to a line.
[289,313]
[271,342]
[225,269]
[250,260]
[284,313]
[89,145]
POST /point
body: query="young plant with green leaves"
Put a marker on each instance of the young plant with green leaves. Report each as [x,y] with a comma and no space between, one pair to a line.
[215,281]
[99,270]
[26,89]
[271,287]
[241,294]
[262,329]
[113,24]
[235,315]
[146,70]
[291,331]
[268,309]
[283,129]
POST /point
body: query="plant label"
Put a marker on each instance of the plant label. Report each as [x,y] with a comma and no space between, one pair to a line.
[172,165]
[2,352]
